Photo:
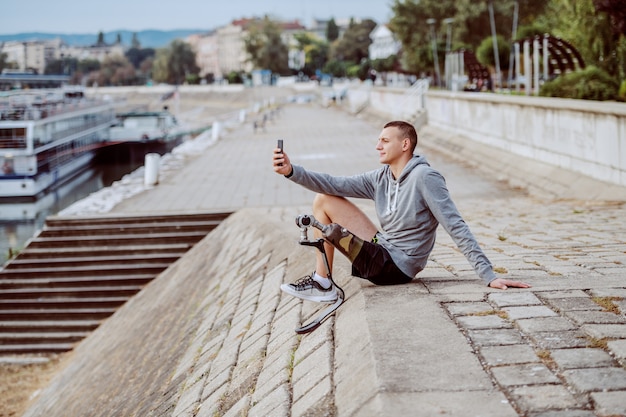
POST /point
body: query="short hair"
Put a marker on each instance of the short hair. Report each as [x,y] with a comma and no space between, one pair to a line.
[406,130]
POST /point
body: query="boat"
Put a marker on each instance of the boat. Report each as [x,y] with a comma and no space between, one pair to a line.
[137,133]
[47,137]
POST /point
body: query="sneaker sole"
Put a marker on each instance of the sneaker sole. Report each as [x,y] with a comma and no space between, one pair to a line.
[315,298]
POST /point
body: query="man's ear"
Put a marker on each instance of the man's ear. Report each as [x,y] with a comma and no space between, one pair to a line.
[406,144]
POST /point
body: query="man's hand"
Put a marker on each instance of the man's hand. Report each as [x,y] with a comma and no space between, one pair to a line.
[281,162]
[503,284]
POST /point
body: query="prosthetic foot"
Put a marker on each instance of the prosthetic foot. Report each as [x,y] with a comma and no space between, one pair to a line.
[347,243]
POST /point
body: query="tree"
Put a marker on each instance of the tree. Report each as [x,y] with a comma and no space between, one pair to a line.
[100,40]
[590,31]
[87,65]
[332,30]
[63,66]
[354,45]
[115,70]
[315,52]
[470,25]
[4,63]
[174,63]
[616,10]
[137,55]
[484,53]
[265,47]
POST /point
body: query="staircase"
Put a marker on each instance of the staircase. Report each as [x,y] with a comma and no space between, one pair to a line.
[79,271]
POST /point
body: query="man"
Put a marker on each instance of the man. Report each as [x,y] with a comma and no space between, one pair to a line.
[411,200]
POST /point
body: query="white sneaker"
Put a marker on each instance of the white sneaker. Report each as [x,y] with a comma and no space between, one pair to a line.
[309,289]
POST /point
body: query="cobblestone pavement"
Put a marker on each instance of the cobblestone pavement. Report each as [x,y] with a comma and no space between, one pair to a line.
[212,336]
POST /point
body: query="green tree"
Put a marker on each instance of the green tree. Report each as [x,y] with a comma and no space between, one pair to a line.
[485,56]
[315,51]
[87,65]
[589,30]
[100,40]
[332,30]
[265,47]
[63,66]
[336,68]
[115,70]
[137,55]
[174,63]
[470,25]
[354,45]
[5,63]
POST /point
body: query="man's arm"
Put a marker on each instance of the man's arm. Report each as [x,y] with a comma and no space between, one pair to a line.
[443,208]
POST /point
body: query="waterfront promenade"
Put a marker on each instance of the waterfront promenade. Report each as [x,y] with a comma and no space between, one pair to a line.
[213,335]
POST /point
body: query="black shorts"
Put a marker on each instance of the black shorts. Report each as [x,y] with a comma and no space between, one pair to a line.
[374,264]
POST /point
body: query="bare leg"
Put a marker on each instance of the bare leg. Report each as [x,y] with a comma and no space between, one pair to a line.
[331,209]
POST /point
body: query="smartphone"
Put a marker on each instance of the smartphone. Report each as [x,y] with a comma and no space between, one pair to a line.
[280,146]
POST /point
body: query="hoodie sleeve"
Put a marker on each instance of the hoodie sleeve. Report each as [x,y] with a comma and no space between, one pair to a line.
[443,208]
[358,186]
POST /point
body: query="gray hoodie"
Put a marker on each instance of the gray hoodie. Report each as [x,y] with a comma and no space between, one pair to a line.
[409,210]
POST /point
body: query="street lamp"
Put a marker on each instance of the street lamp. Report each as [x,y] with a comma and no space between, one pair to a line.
[431,22]
[448,22]
[448,63]
[495,43]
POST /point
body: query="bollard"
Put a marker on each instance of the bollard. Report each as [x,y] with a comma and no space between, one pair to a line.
[215,130]
[151,167]
[242,116]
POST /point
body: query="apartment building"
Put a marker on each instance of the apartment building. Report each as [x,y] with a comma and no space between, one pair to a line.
[36,54]
[31,55]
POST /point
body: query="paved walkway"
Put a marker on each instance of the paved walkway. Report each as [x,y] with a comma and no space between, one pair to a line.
[213,336]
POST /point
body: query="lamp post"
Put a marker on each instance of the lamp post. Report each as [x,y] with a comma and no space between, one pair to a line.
[431,22]
[496,54]
[448,22]
[448,61]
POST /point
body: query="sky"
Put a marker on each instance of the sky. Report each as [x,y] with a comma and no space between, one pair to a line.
[88,16]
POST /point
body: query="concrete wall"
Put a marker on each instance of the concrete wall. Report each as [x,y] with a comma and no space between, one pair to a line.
[586,137]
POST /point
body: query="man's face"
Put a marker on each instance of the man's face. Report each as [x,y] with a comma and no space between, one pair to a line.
[390,145]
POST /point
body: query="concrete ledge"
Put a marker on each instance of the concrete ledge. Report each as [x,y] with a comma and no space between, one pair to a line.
[539,179]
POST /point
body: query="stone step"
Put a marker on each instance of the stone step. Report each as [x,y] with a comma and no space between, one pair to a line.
[22,349]
[41,338]
[126,259]
[77,292]
[105,250]
[61,302]
[84,271]
[87,282]
[33,326]
[57,314]
[59,221]
[117,240]
[132,229]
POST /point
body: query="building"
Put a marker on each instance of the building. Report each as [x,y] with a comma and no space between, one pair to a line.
[36,55]
[384,43]
[32,55]
[205,45]
[98,51]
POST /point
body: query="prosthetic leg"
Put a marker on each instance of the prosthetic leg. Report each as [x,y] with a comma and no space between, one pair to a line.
[347,243]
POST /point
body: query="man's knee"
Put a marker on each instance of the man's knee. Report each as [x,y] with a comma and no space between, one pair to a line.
[324,202]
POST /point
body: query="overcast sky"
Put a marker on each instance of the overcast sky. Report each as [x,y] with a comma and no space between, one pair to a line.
[89,16]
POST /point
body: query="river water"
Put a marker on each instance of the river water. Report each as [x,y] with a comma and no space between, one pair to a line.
[20,221]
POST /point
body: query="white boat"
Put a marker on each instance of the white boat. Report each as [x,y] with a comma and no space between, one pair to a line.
[139,132]
[47,137]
